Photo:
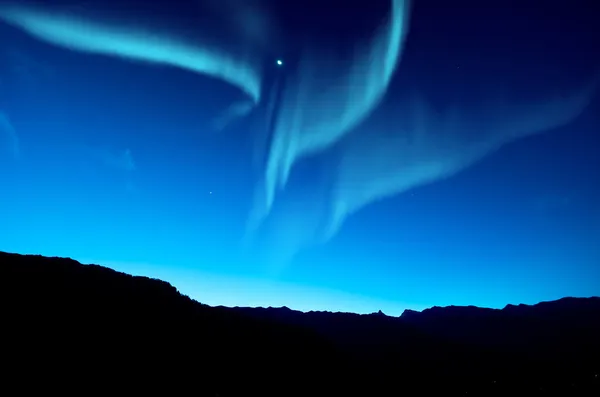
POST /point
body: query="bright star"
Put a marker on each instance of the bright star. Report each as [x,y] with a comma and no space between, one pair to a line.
[279,62]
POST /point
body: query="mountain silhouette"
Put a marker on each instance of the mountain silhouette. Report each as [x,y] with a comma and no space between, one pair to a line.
[89,329]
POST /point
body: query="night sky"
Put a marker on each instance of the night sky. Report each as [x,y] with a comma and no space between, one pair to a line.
[445,153]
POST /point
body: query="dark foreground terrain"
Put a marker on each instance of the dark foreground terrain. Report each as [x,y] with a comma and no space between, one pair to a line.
[86,329]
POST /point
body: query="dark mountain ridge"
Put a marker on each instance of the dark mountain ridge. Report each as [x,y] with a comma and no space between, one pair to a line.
[64,321]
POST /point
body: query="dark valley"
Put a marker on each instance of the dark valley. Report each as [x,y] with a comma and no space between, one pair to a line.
[68,327]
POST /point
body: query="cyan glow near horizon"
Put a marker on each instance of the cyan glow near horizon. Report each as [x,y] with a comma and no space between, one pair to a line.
[473,182]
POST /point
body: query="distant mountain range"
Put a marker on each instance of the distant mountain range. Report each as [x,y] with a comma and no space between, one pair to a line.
[87,328]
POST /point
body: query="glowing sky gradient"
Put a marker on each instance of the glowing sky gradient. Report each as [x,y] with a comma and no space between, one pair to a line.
[468,172]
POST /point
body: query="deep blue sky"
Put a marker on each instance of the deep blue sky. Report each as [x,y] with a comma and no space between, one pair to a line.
[117,165]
